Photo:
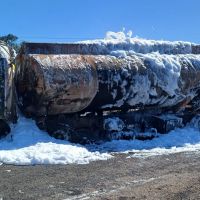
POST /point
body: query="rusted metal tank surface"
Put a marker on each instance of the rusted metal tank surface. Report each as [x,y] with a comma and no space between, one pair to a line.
[51,84]
[54,84]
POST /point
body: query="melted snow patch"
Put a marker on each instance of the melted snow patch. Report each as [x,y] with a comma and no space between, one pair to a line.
[28,146]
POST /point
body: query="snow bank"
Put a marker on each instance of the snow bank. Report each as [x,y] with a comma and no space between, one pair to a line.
[180,140]
[122,41]
[28,146]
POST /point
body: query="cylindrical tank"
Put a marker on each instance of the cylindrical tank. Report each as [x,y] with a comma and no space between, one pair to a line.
[51,84]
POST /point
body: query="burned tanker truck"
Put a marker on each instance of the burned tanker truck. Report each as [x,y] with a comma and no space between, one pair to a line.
[100,90]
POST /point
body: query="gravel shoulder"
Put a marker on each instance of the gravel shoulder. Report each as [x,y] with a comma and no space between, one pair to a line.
[174,176]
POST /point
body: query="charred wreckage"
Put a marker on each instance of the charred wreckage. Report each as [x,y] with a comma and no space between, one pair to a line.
[90,91]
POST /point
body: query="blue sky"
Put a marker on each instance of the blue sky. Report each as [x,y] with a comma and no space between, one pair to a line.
[72,20]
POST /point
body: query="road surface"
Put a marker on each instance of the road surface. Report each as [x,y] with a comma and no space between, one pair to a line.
[175,176]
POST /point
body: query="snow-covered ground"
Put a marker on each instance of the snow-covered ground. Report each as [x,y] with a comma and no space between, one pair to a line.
[27,145]
[180,140]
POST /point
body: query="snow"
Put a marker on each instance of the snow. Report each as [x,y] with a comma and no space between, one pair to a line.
[180,140]
[161,71]
[27,145]
[156,71]
[124,41]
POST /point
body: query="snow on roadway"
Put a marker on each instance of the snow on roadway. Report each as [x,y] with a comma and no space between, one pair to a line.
[29,145]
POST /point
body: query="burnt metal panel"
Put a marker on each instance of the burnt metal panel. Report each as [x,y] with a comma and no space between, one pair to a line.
[3,64]
[55,84]
[93,48]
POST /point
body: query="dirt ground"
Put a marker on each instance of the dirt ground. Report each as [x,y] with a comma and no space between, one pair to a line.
[175,176]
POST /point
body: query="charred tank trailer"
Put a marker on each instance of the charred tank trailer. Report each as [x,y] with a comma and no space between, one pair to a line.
[7,89]
[72,90]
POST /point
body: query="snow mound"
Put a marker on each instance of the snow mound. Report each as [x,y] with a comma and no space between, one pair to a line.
[180,140]
[27,145]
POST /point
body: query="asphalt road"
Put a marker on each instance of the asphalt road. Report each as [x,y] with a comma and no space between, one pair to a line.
[175,176]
